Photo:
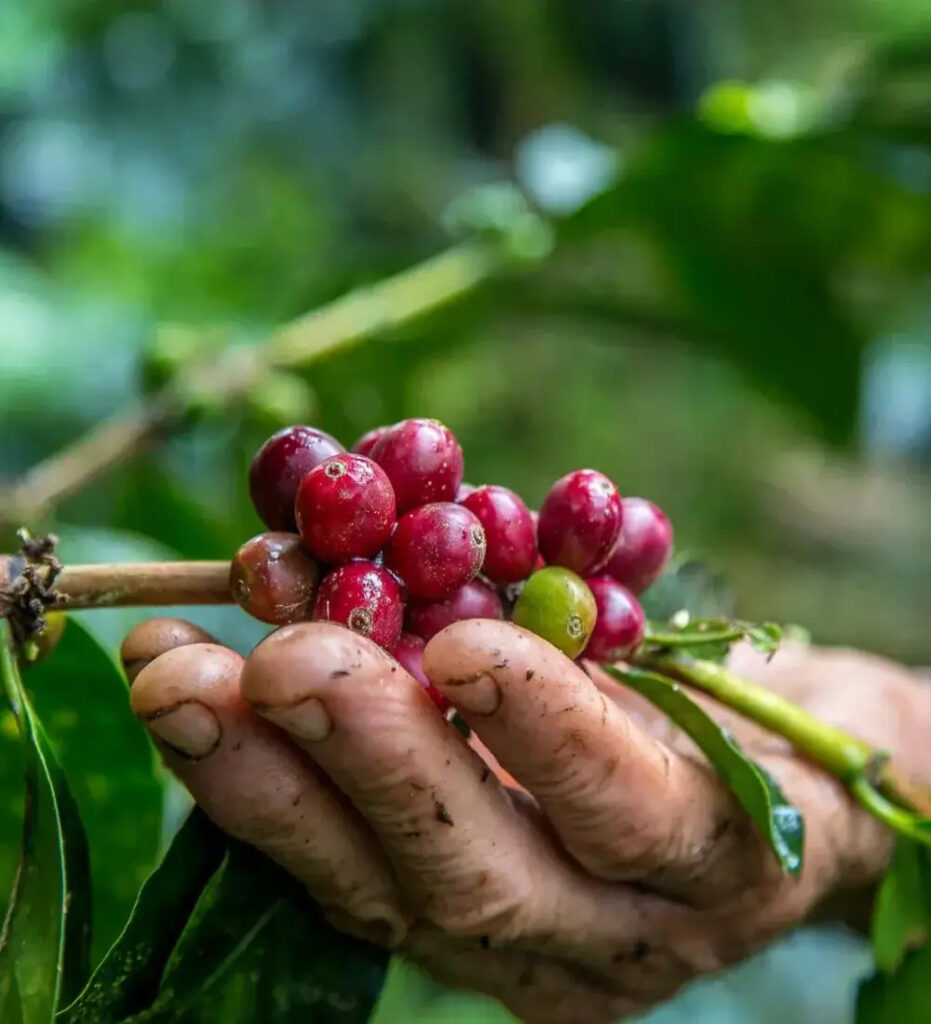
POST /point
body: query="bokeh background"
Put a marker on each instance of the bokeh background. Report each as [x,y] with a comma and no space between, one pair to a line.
[735,318]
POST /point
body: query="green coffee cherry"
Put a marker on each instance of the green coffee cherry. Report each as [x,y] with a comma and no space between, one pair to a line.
[557,605]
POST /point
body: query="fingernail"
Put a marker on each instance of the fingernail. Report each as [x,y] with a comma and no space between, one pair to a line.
[190,728]
[478,693]
[387,931]
[308,720]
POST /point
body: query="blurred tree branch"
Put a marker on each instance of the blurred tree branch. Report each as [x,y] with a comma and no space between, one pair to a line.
[359,314]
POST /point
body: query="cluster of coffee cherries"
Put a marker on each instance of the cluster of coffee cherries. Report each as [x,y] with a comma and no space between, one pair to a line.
[388,540]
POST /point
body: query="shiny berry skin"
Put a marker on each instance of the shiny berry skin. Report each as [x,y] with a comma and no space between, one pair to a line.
[345,508]
[423,461]
[473,600]
[621,623]
[580,520]
[274,579]
[557,605]
[279,466]
[366,598]
[409,652]
[436,548]
[464,491]
[510,536]
[644,546]
[368,440]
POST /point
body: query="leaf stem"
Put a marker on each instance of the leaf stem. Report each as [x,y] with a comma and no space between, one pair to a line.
[369,310]
[843,755]
[694,639]
[848,758]
[888,813]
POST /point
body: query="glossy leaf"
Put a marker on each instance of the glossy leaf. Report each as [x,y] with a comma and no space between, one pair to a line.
[81,695]
[257,948]
[127,979]
[759,794]
[40,955]
[902,912]
[898,998]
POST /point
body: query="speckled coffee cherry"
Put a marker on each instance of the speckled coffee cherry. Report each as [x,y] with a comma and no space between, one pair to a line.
[643,547]
[274,579]
[580,520]
[423,461]
[366,598]
[620,624]
[511,550]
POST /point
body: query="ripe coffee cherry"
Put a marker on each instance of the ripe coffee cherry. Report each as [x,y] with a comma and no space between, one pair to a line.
[368,440]
[644,546]
[436,548]
[345,508]
[423,461]
[509,533]
[409,652]
[464,491]
[366,598]
[274,579]
[621,623]
[279,466]
[580,520]
[474,600]
[557,605]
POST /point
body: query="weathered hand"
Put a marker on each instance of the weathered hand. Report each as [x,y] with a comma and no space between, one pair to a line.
[620,869]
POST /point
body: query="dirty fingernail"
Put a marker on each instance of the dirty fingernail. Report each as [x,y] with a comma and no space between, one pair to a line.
[309,720]
[478,693]
[190,728]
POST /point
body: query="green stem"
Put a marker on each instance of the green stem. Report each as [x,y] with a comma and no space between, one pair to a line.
[844,756]
[693,639]
[888,813]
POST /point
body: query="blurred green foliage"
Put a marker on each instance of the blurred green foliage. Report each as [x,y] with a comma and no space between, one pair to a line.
[734,322]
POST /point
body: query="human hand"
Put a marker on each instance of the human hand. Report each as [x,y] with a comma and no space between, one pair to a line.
[619,869]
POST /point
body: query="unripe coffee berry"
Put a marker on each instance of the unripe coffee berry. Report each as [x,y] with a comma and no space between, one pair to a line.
[643,547]
[278,468]
[366,598]
[510,536]
[409,652]
[345,508]
[474,600]
[621,623]
[274,579]
[580,520]
[423,461]
[368,440]
[436,548]
[557,605]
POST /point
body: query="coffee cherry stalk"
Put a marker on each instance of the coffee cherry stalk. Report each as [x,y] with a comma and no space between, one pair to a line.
[389,542]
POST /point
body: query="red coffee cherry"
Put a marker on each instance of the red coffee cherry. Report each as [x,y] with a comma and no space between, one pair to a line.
[274,579]
[643,547]
[409,652]
[345,508]
[366,598]
[436,548]
[474,600]
[511,550]
[278,468]
[580,520]
[368,440]
[423,461]
[620,624]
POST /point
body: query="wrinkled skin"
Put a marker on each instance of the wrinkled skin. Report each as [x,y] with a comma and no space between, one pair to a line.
[617,869]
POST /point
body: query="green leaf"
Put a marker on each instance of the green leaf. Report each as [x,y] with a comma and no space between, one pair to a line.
[758,793]
[902,912]
[41,956]
[80,694]
[899,998]
[712,639]
[127,979]
[257,948]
